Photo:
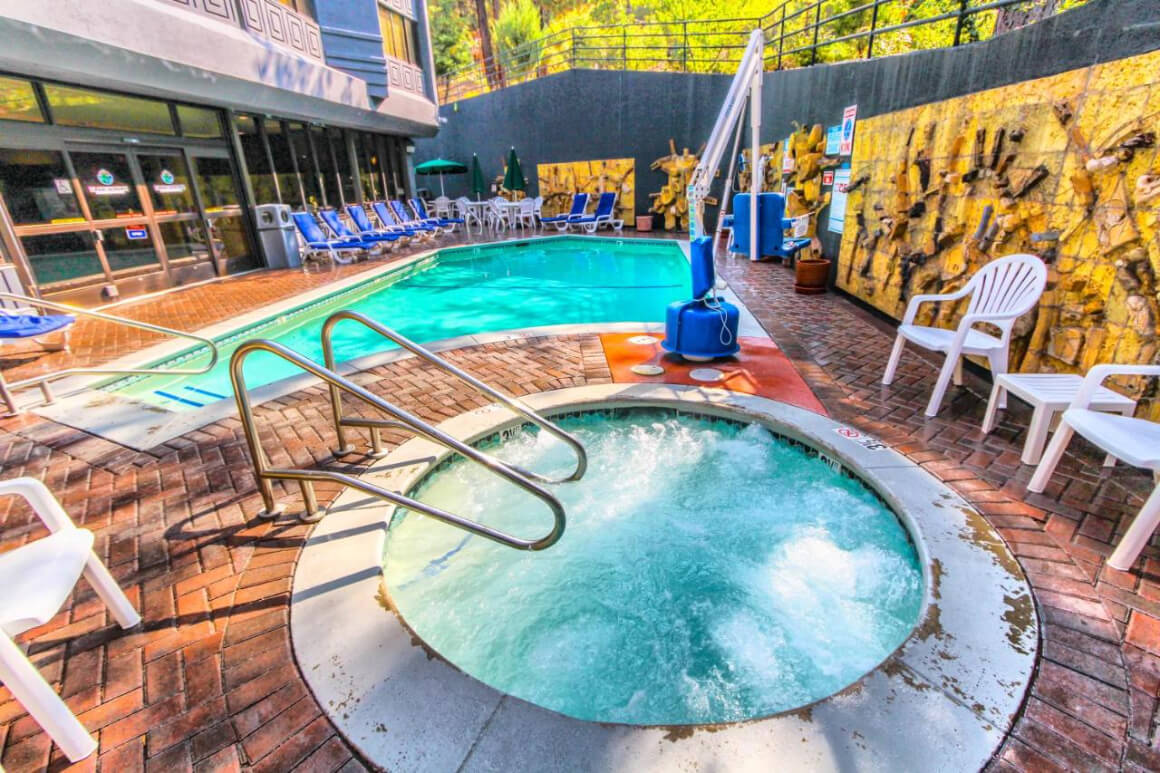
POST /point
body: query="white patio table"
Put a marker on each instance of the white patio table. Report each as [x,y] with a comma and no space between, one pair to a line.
[1049,394]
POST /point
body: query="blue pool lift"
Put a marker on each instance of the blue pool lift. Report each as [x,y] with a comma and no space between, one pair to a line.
[704,328]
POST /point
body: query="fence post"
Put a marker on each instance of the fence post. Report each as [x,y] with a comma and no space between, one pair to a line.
[624,47]
[960,21]
[817,28]
[873,26]
[685,50]
[572,60]
[781,35]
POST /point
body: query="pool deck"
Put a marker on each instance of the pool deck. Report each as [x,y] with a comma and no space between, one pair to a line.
[209,683]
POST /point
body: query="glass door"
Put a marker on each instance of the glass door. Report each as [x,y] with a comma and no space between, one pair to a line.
[175,212]
[221,200]
[112,188]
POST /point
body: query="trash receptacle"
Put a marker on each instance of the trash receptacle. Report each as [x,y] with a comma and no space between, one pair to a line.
[277,236]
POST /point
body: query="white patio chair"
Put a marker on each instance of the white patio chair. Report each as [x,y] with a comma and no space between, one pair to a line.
[35,580]
[467,212]
[1001,292]
[496,217]
[526,215]
[538,212]
[1135,441]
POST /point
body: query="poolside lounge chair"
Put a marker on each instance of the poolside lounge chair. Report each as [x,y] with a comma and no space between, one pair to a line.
[317,244]
[1001,292]
[771,222]
[19,323]
[579,204]
[605,206]
[406,219]
[339,230]
[388,217]
[37,578]
[362,223]
[1135,441]
[420,211]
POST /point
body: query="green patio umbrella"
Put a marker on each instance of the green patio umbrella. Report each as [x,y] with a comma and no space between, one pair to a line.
[440,166]
[478,187]
[513,179]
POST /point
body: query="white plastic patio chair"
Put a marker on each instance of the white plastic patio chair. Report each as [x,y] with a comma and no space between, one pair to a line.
[467,212]
[526,215]
[35,580]
[1135,441]
[1001,292]
[537,212]
[496,217]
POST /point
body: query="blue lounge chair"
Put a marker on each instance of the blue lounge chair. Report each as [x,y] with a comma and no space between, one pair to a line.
[362,222]
[420,211]
[407,220]
[771,224]
[25,323]
[389,219]
[579,204]
[602,216]
[339,230]
[317,243]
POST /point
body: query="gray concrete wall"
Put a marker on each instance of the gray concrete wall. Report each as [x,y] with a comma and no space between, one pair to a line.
[585,114]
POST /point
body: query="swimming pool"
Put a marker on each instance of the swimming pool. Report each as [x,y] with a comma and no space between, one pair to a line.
[711,571]
[455,292]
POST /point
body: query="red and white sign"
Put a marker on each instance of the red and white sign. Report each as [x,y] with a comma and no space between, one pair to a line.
[828,177]
[846,147]
[867,442]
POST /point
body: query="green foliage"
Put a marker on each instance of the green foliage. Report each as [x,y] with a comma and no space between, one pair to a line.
[516,36]
[450,36]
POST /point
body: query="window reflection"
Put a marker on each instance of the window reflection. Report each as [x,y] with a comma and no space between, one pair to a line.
[107,184]
[18,101]
[257,163]
[61,257]
[72,106]
[199,122]
[36,187]
[167,181]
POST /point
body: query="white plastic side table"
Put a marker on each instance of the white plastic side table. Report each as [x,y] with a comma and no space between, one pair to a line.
[1049,394]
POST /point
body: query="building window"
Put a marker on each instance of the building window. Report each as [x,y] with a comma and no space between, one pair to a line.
[398,35]
[304,7]
[199,122]
[37,187]
[18,101]
[258,165]
[72,106]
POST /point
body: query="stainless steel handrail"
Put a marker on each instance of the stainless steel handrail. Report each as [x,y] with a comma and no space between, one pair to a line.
[264,473]
[43,380]
[375,424]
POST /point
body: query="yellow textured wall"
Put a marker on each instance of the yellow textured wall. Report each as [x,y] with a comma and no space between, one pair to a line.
[1077,166]
[559,181]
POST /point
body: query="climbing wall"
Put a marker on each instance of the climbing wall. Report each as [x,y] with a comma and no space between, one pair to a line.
[1064,167]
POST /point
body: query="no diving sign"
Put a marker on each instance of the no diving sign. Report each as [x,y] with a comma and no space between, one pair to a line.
[867,442]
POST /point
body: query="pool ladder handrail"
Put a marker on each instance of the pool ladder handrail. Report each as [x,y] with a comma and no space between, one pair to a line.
[43,380]
[264,473]
[514,404]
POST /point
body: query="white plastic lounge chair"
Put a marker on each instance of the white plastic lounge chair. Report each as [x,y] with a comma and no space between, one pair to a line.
[579,204]
[1135,441]
[605,206]
[1001,292]
[36,578]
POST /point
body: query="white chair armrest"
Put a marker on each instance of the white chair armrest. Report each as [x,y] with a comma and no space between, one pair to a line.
[43,503]
[1099,373]
[918,300]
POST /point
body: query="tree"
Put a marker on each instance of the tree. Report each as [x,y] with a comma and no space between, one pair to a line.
[517,37]
[485,48]
[450,37]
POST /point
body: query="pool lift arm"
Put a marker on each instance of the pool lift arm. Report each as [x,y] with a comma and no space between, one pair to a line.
[746,83]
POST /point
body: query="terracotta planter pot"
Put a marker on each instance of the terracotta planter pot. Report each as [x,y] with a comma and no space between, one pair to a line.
[644,222]
[810,276]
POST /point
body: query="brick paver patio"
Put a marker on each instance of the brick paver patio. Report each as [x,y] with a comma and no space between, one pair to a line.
[208,682]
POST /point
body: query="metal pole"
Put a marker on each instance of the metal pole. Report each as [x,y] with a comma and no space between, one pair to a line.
[727,194]
[873,26]
[960,21]
[817,29]
[756,173]
[781,35]
[685,50]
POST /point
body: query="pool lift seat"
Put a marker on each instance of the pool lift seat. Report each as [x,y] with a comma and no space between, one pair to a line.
[704,328]
[400,419]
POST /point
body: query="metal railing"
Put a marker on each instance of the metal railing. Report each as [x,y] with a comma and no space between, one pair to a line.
[517,406]
[43,380]
[264,473]
[798,33]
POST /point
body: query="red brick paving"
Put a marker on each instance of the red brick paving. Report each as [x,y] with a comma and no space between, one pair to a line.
[208,682]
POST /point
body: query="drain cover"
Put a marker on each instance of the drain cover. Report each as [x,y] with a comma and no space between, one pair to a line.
[647,370]
[643,340]
[706,374]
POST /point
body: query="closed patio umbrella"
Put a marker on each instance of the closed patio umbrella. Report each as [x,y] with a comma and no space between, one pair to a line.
[440,166]
[477,185]
[513,179]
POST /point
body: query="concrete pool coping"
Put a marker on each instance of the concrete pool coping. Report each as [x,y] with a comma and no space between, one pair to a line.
[944,700]
[141,425]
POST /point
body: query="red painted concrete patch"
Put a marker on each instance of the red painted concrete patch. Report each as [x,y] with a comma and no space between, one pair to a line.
[760,368]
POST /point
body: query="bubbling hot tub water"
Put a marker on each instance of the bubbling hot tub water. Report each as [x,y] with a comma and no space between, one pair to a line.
[710,572]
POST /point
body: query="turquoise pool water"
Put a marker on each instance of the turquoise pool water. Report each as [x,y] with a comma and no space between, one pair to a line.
[710,572]
[459,292]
